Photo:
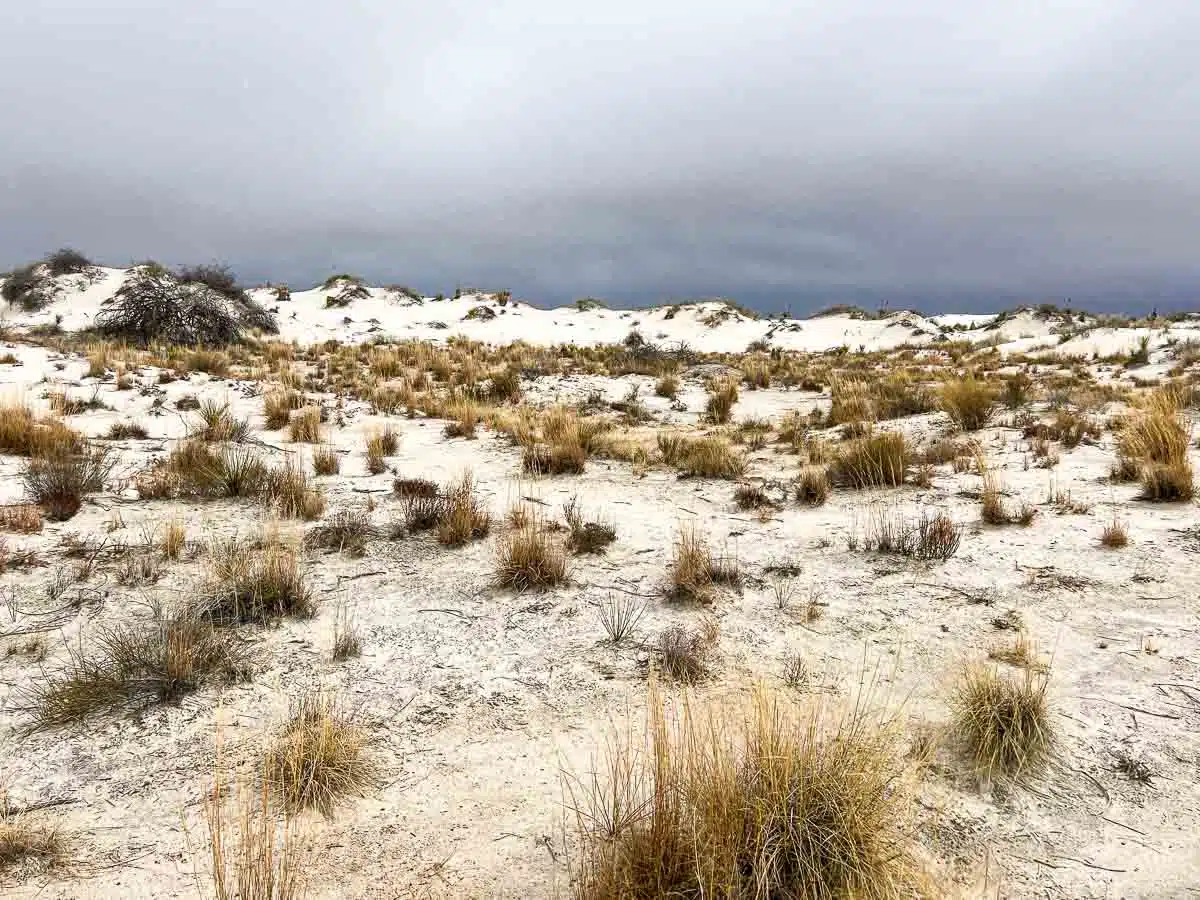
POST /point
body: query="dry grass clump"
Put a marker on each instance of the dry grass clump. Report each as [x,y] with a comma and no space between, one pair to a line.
[326,461]
[1115,535]
[992,508]
[248,585]
[930,537]
[812,486]
[712,456]
[880,459]
[253,855]
[288,490]
[529,558]
[1021,653]
[667,386]
[58,481]
[278,406]
[1003,722]
[22,518]
[968,403]
[586,535]
[464,418]
[462,517]
[718,408]
[384,442]
[173,539]
[1154,443]
[683,654]
[133,667]
[319,756]
[26,843]
[567,458]
[124,431]
[347,642]
[24,434]
[414,487]
[305,426]
[218,424]
[347,530]
[694,570]
[764,801]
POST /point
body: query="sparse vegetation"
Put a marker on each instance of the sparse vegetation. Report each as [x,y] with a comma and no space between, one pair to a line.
[248,585]
[1003,722]
[59,481]
[530,558]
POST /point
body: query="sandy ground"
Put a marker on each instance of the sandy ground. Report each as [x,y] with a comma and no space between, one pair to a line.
[478,699]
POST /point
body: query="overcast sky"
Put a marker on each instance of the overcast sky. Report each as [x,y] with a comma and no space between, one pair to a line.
[938,153]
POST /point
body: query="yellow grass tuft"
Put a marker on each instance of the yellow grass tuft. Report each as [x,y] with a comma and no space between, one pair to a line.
[1004,722]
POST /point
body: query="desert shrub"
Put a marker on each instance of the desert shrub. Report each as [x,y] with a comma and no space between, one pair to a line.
[667,386]
[1017,390]
[893,397]
[220,279]
[880,459]
[529,558]
[66,261]
[23,518]
[305,426]
[132,667]
[1115,535]
[421,512]
[153,307]
[463,518]
[968,403]
[28,287]
[561,458]
[464,419]
[173,539]
[414,487]
[505,386]
[1004,722]
[326,461]
[120,431]
[346,530]
[812,486]
[752,496]
[245,585]
[585,535]
[992,508]
[761,801]
[59,481]
[319,756]
[718,408]
[384,442]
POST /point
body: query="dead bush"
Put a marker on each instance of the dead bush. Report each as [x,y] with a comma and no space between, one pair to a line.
[968,403]
[59,481]
[879,460]
[1003,722]
[248,585]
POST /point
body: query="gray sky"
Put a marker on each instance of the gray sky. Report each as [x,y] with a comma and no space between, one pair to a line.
[937,153]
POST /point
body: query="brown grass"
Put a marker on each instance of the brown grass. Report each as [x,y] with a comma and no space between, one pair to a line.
[326,461]
[248,585]
[722,396]
[22,518]
[462,516]
[305,426]
[1003,722]
[1155,443]
[277,408]
[59,481]
[25,842]
[529,558]
[880,459]
[1115,535]
[667,386]
[968,403]
[586,535]
[132,667]
[219,424]
[24,434]
[319,756]
[288,490]
[761,801]
[694,570]
[253,855]
[812,486]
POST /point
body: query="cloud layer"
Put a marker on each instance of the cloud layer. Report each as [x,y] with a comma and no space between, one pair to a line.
[932,153]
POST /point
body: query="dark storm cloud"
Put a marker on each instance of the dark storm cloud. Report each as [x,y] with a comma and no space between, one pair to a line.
[931,152]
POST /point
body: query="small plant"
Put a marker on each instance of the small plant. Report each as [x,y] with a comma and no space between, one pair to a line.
[462,517]
[1021,654]
[383,443]
[414,487]
[880,459]
[289,491]
[1004,722]
[347,642]
[752,496]
[718,409]
[218,423]
[319,756]
[133,667]
[326,461]
[305,426]
[1115,535]
[347,530]
[277,408]
[708,457]
[931,537]
[586,536]
[968,403]
[667,386]
[529,559]
[683,653]
[812,486]
[25,842]
[173,539]
[620,616]
[122,431]
[253,586]
[694,570]
[992,508]
[59,482]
